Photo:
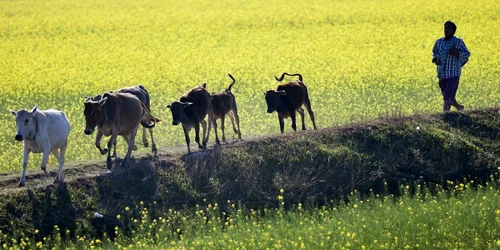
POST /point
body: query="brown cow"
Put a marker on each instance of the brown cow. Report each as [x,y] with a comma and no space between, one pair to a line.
[287,99]
[142,94]
[116,114]
[191,110]
[224,103]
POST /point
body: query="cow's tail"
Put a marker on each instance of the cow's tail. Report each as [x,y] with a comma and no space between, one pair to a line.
[231,85]
[152,120]
[283,76]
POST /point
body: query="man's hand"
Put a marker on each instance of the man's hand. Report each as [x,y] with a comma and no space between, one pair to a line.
[435,60]
[454,52]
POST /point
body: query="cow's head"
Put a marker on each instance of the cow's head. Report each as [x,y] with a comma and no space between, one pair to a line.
[272,99]
[178,113]
[93,113]
[26,124]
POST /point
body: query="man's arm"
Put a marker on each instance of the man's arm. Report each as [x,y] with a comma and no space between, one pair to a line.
[435,57]
[461,52]
[464,52]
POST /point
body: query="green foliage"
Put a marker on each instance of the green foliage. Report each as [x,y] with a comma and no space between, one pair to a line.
[387,158]
[360,59]
[465,216]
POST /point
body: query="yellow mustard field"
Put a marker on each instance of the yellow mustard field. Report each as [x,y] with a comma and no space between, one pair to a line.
[360,59]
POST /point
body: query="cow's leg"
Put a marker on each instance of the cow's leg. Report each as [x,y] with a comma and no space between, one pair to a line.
[26,154]
[206,131]
[301,113]
[114,148]
[186,135]
[98,138]
[144,138]
[294,124]
[222,127]
[235,116]
[56,154]
[45,157]
[111,141]
[214,121]
[282,123]
[153,147]
[311,113]
[204,128]
[61,160]
[211,122]
[130,147]
[127,139]
[197,135]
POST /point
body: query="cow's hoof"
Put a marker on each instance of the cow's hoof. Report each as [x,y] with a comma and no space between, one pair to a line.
[218,141]
[134,148]
[155,151]
[124,164]
[104,151]
[146,144]
[109,163]
[21,184]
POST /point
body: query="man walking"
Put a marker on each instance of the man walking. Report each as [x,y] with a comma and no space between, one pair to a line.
[450,54]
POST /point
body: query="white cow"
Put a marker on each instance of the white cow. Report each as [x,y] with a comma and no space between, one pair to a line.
[42,131]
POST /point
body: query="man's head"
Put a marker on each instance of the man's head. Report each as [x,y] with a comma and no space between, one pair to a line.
[449,29]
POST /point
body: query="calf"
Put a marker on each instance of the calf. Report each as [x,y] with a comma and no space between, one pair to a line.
[116,114]
[287,99]
[224,103]
[191,110]
[143,95]
[42,131]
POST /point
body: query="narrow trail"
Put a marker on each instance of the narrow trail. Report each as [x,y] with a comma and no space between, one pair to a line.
[73,171]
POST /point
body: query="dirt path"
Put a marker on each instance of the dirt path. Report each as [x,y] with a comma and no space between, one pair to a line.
[72,171]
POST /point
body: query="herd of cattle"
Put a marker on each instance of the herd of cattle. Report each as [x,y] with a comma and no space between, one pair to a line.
[122,112]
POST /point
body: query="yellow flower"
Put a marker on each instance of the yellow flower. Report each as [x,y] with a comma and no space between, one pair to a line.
[127,209]
[36,231]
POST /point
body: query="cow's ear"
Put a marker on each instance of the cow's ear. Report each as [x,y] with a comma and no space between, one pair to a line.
[281,92]
[186,104]
[169,106]
[204,85]
[33,111]
[103,101]
[13,112]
